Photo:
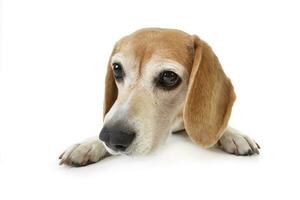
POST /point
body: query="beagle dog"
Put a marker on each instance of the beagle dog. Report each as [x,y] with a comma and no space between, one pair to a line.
[158,82]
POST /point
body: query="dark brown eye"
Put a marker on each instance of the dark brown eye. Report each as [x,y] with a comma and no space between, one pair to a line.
[168,80]
[118,71]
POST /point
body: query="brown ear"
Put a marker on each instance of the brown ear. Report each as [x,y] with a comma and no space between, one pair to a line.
[111,90]
[210,97]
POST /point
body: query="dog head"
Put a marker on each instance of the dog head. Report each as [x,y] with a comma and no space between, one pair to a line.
[157,78]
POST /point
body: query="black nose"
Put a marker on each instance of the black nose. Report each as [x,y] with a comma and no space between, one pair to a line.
[117,139]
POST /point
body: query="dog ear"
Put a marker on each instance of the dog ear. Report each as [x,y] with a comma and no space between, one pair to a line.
[209,99]
[111,90]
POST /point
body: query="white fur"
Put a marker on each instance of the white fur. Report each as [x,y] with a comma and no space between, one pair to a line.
[232,141]
[143,106]
[88,151]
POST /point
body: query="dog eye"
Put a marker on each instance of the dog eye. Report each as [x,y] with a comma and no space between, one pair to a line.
[168,80]
[118,71]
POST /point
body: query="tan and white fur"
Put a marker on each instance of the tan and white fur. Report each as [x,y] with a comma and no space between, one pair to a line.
[201,105]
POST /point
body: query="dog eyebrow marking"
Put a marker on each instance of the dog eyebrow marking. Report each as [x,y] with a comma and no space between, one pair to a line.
[118,57]
[159,65]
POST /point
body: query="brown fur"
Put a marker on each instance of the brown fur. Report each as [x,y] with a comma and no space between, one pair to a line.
[210,94]
[110,91]
[210,97]
[167,43]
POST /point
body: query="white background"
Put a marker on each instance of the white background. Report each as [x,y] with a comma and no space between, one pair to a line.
[53,59]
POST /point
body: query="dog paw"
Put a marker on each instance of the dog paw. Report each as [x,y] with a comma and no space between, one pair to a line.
[238,144]
[87,152]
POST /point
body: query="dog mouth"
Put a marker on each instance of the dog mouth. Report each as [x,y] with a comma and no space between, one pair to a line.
[115,152]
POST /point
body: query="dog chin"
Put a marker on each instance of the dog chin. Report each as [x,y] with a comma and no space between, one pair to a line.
[131,151]
[111,151]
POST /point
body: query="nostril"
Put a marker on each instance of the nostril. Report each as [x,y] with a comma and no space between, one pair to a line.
[121,140]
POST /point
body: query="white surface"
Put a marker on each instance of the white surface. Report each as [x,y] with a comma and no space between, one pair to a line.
[53,57]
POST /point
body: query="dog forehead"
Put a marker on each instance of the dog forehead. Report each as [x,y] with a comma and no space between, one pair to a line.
[145,44]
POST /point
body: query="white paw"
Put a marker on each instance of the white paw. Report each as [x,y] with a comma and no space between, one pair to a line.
[235,143]
[87,152]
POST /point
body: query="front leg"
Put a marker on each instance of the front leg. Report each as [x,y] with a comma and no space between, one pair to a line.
[84,153]
[232,141]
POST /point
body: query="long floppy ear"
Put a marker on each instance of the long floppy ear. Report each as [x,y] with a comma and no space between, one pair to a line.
[209,99]
[111,90]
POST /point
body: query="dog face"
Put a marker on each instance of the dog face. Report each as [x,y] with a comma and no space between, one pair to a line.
[159,81]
